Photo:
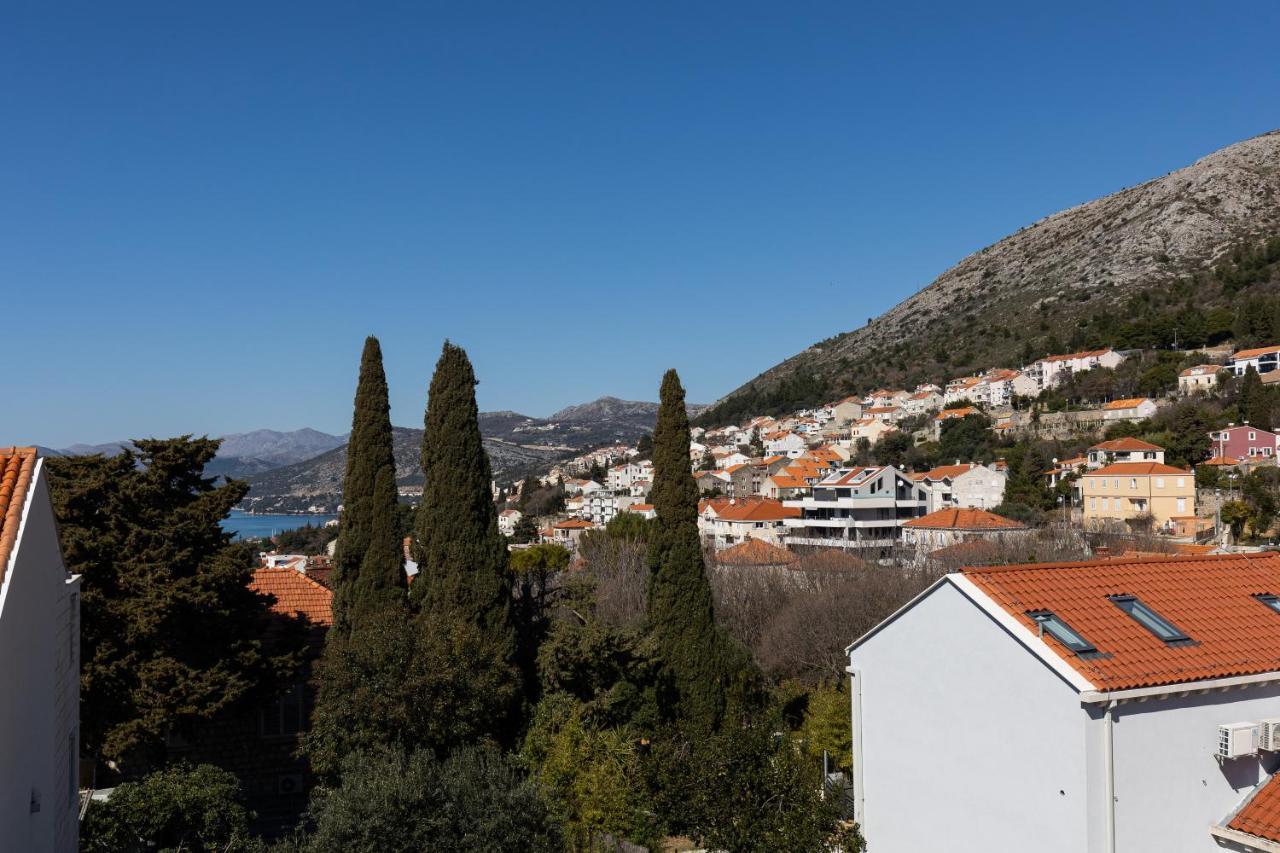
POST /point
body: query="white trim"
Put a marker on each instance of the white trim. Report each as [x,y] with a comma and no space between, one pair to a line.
[27,499]
[1253,842]
[1091,697]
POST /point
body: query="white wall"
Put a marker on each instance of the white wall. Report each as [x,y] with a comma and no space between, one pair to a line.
[970,743]
[39,699]
[1169,786]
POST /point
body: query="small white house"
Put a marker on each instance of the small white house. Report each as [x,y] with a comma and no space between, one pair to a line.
[509,518]
[40,662]
[1199,379]
[1110,705]
[964,484]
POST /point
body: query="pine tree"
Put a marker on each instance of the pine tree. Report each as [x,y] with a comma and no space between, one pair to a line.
[1254,405]
[698,663]
[464,587]
[369,558]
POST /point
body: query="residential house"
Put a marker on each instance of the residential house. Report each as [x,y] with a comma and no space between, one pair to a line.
[1129,409]
[945,527]
[962,388]
[622,477]
[642,510]
[741,480]
[968,485]
[603,505]
[884,397]
[1066,468]
[856,508]
[951,415]
[710,481]
[784,486]
[729,521]
[1199,379]
[999,387]
[846,411]
[868,428]
[1244,442]
[569,532]
[754,555]
[728,460]
[1128,492]
[783,443]
[1124,450]
[40,659]
[1120,704]
[922,403]
[888,414]
[1261,359]
[509,518]
[1049,372]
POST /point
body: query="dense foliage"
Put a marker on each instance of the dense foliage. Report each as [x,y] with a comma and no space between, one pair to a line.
[170,634]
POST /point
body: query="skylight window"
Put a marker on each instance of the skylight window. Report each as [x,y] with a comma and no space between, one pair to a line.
[1149,619]
[1272,601]
[1053,625]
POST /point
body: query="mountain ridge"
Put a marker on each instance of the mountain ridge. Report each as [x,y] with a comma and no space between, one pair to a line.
[1085,259]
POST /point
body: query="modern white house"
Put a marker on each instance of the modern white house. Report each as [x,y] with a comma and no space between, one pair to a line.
[1111,705]
[1049,372]
[1261,359]
[1124,450]
[855,508]
[40,663]
[509,518]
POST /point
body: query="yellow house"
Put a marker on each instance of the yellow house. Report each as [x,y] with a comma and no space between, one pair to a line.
[1128,490]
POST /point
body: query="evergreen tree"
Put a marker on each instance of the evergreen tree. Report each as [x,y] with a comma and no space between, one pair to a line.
[1253,403]
[171,631]
[369,558]
[698,664]
[463,589]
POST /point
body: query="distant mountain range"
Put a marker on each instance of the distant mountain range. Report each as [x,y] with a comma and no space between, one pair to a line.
[291,471]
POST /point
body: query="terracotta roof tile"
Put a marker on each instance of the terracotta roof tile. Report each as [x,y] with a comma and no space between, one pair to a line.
[752,509]
[1255,352]
[17,467]
[1127,403]
[1209,598]
[295,593]
[963,518]
[1260,815]
[1126,444]
[1140,469]
[755,552]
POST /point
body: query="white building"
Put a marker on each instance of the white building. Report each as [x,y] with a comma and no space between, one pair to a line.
[1124,450]
[1051,371]
[1093,707]
[783,443]
[998,387]
[1129,409]
[509,518]
[856,508]
[623,477]
[1261,359]
[967,485]
[728,521]
[1199,379]
[40,660]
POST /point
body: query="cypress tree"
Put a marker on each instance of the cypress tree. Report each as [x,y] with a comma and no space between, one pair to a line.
[697,662]
[463,592]
[369,558]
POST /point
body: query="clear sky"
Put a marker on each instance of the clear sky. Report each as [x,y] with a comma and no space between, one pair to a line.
[205,207]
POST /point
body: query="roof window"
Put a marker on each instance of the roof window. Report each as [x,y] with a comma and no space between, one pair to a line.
[1053,625]
[1149,619]
[1272,601]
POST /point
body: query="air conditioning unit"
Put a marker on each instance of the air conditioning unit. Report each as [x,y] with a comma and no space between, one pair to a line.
[1237,739]
[1269,734]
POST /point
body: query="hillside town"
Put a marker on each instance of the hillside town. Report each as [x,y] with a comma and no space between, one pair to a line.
[816,478]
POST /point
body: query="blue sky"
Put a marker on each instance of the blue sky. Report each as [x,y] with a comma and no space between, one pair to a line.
[204,208]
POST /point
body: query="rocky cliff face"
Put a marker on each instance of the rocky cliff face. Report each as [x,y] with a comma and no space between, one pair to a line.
[1097,253]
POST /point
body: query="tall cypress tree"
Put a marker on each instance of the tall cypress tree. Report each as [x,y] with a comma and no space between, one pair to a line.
[369,559]
[697,661]
[463,589]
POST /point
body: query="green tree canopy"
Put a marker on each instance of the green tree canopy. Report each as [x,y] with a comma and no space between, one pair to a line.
[170,634]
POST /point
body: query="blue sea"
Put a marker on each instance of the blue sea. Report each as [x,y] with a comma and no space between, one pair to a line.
[246,526]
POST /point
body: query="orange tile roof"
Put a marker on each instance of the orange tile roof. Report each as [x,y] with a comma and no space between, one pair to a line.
[755,552]
[964,518]
[1222,460]
[788,481]
[638,508]
[879,410]
[1126,444]
[17,467]
[1202,369]
[1127,403]
[295,594]
[1260,814]
[1092,353]
[1255,352]
[573,524]
[755,509]
[1209,598]
[947,414]
[1138,469]
[943,472]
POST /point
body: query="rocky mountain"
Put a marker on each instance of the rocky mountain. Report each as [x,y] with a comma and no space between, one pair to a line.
[317,482]
[278,448]
[1048,283]
[601,421]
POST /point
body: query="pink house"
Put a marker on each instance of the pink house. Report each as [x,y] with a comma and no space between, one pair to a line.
[1244,442]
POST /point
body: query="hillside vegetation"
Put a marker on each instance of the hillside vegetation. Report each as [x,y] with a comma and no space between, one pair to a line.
[1193,254]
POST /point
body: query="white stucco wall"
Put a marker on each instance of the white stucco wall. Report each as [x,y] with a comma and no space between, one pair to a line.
[970,743]
[1169,786]
[39,698]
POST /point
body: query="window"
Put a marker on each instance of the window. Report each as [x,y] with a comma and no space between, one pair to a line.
[1253,436]
[1093,504]
[1149,619]
[1270,600]
[1182,482]
[1053,625]
[1115,484]
[1182,504]
[1159,482]
[284,716]
[1133,483]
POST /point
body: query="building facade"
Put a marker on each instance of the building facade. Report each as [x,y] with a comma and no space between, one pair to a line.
[856,508]
[1130,492]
